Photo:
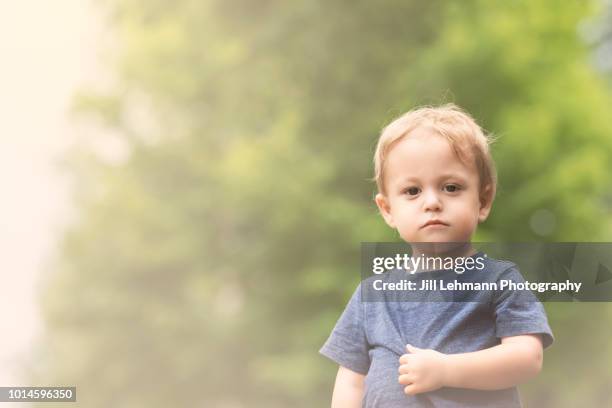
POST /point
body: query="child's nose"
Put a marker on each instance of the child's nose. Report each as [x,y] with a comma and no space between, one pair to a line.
[431,201]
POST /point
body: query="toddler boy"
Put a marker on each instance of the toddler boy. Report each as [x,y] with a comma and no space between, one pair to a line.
[436,182]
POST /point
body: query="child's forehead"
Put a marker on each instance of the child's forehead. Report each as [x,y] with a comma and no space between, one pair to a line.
[423,143]
[426,152]
[423,131]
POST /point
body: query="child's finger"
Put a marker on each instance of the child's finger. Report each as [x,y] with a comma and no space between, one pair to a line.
[404,358]
[412,349]
[411,389]
[405,379]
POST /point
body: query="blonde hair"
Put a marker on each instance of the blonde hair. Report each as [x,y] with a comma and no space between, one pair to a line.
[465,137]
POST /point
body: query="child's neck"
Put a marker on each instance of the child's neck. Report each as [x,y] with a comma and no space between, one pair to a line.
[442,250]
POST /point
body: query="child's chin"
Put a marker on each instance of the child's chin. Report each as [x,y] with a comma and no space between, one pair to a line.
[442,239]
[438,238]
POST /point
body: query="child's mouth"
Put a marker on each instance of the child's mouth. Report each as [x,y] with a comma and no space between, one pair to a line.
[434,224]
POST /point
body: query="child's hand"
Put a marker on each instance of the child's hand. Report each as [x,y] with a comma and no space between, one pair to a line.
[421,370]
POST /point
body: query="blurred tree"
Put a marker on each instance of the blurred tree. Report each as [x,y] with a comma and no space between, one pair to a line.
[210,263]
[598,32]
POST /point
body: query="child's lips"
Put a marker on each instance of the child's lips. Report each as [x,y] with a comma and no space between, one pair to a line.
[434,223]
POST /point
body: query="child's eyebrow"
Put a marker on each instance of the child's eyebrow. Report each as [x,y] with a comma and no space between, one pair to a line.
[412,179]
[409,179]
[453,176]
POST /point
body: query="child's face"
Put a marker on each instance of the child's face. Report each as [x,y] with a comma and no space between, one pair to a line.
[431,196]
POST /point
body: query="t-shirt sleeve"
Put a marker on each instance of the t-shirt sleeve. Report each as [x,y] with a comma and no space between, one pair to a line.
[347,345]
[519,311]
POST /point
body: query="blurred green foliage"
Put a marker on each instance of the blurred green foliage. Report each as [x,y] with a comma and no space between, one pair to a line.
[208,267]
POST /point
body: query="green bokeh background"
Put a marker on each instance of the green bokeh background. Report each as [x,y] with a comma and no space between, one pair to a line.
[208,266]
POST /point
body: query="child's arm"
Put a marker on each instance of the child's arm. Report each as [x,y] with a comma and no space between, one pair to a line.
[348,391]
[515,360]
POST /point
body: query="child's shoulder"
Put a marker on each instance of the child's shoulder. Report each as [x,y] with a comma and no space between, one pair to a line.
[497,267]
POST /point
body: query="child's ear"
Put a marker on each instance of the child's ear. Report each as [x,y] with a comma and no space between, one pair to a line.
[385,209]
[486,202]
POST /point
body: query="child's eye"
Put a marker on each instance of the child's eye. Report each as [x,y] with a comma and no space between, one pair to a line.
[452,188]
[412,191]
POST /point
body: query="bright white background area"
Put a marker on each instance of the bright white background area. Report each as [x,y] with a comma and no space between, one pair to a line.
[48,50]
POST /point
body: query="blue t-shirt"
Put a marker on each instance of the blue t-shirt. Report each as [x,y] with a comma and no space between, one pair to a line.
[370,336]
